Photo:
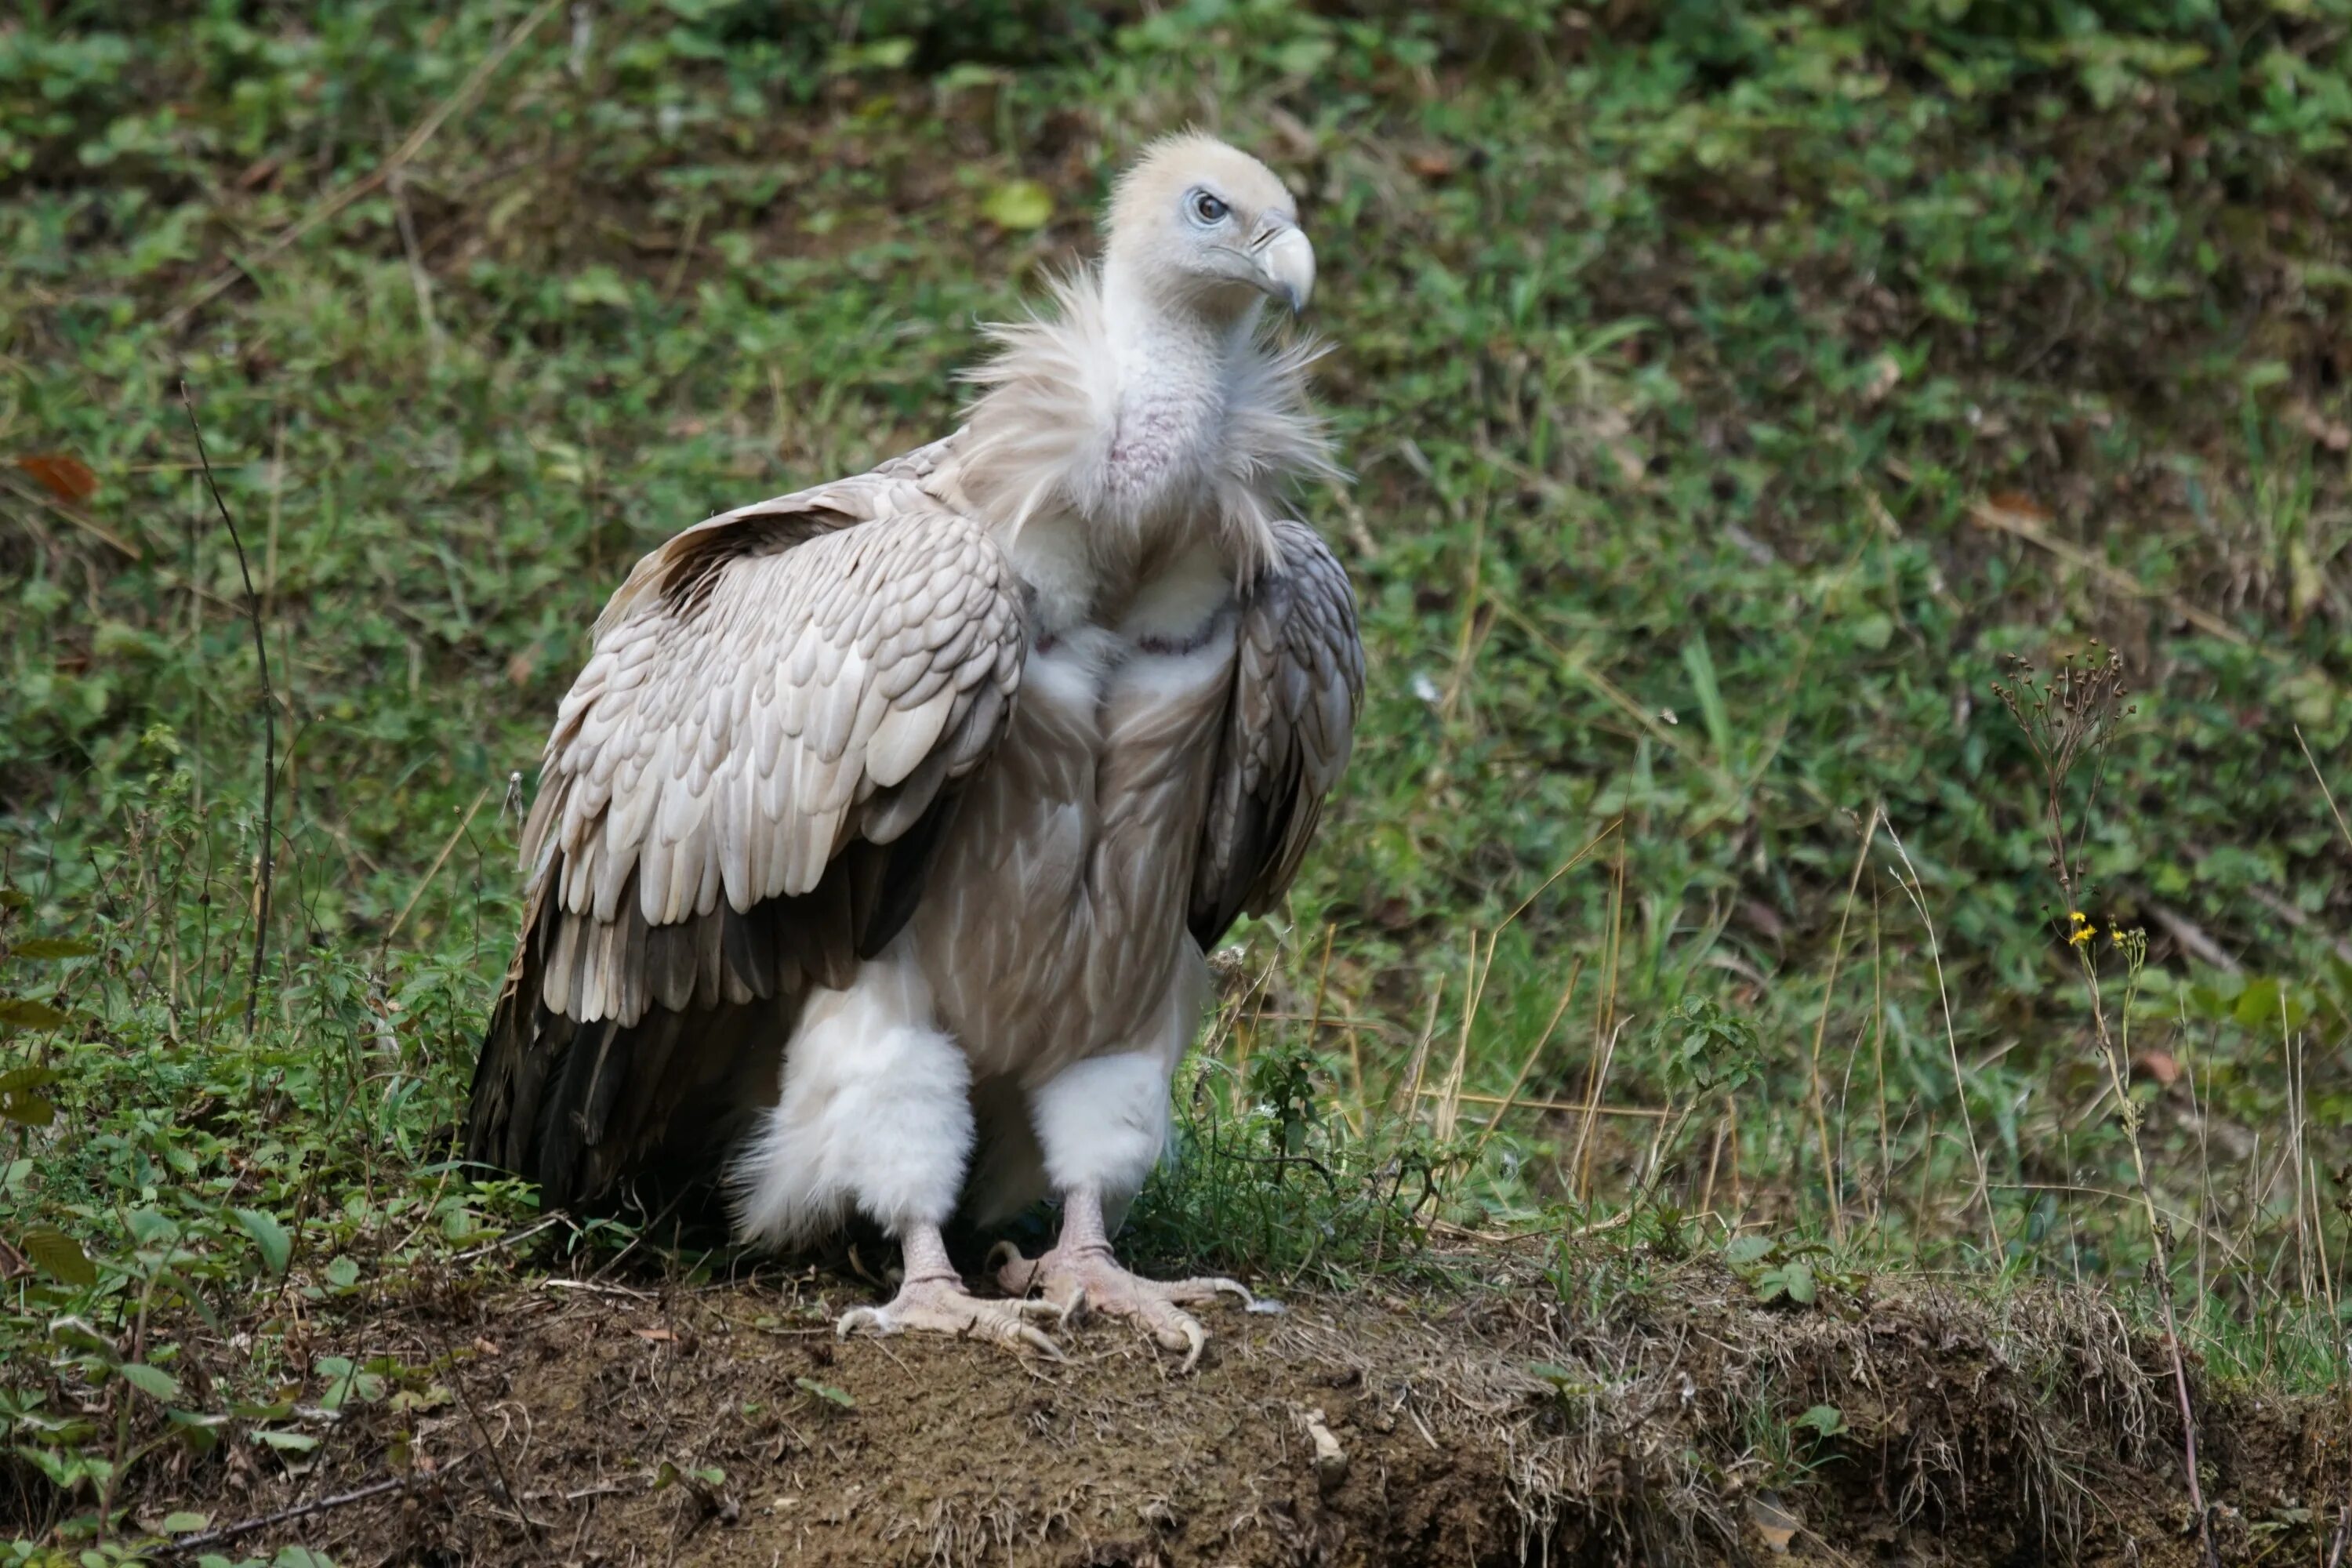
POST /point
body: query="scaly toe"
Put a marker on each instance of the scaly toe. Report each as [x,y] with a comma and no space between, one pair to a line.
[1014,1274]
[1205,1291]
[942,1306]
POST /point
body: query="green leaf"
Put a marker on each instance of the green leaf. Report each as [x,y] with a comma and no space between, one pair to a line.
[198,1433]
[24,1013]
[182,1522]
[277,1247]
[876,54]
[286,1442]
[52,947]
[826,1391]
[152,1380]
[59,1255]
[1564,1382]
[1700,660]
[20,1104]
[1826,1419]
[27,1109]
[344,1273]
[597,285]
[1797,1279]
[1019,204]
[1743,1250]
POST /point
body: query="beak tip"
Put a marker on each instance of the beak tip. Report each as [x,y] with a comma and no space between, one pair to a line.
[1289,269]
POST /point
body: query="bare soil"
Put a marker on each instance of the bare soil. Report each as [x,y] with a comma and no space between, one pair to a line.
[593,1422]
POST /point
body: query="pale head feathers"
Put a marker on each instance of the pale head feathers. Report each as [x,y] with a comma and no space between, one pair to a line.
[1195,221]
[1146,399]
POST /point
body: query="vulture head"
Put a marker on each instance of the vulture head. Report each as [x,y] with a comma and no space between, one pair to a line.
[1196,222]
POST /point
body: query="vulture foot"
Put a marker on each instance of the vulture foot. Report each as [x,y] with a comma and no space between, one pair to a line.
[1077,1280]
[942,1306]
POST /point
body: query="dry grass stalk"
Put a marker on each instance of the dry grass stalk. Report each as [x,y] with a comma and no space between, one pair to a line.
[1820,1029]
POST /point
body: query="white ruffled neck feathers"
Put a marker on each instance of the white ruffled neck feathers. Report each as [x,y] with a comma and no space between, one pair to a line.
[1143,429]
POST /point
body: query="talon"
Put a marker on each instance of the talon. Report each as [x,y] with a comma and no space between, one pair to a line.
[1193,1338]
[866,1318]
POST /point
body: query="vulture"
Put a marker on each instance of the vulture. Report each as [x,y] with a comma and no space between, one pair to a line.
[877,847]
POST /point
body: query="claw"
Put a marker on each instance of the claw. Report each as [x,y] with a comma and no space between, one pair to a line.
[1176,1329]
[867,1318]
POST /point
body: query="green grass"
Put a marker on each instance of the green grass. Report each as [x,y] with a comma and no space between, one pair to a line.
[1727,392]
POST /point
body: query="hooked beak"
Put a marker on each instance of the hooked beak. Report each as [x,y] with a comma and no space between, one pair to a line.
[1286,266]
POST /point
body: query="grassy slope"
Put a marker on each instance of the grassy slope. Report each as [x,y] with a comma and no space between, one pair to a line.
[1703,377]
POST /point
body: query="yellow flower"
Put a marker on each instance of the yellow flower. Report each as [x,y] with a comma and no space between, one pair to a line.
[2082,934]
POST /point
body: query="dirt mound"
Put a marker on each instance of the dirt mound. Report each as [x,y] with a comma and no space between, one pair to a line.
[1674,1419]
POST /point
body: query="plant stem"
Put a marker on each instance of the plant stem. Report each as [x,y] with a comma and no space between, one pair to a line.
[268,725]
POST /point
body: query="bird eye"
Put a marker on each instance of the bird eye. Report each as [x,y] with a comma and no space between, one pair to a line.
[1207,208]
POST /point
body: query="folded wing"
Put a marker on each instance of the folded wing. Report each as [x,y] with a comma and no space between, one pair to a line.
[740,800]
[1298,686]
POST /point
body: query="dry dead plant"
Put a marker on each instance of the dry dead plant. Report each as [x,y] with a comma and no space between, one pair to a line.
[2069,721]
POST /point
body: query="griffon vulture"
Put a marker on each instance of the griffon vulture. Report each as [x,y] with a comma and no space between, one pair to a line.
[877,847]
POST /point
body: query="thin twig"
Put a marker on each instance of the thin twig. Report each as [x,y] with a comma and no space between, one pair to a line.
[2341,826]
[507,1489]
[243,1527]
[430,872]
[269,722]
[2019,526]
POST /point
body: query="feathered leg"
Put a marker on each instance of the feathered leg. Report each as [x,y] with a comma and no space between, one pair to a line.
[874,1114]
